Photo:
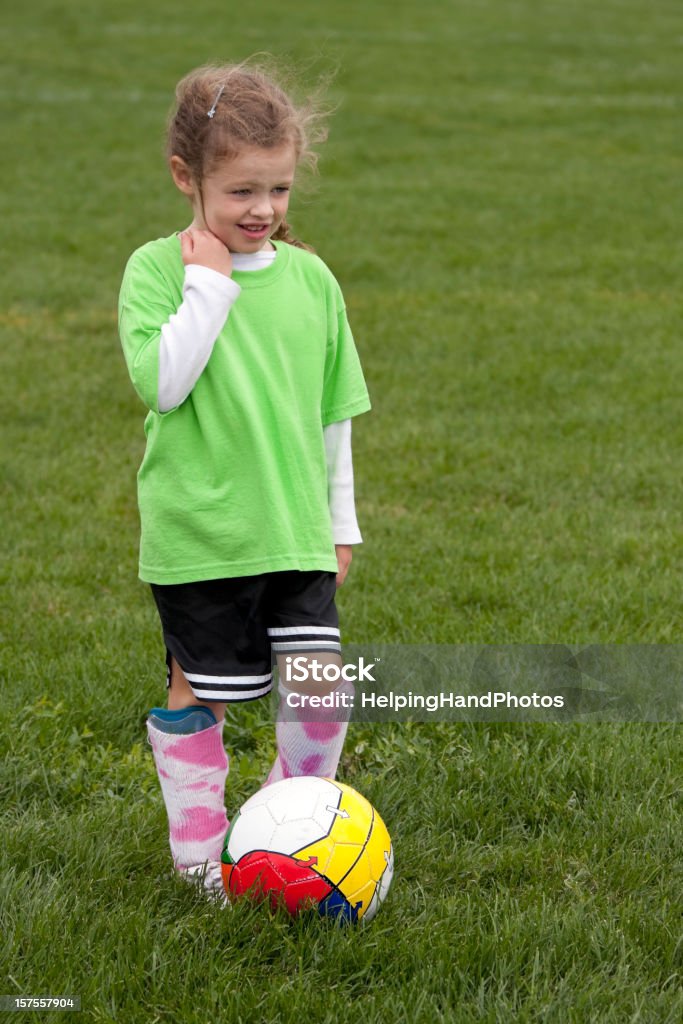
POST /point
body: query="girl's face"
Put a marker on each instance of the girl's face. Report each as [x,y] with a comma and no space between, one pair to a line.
[245,198]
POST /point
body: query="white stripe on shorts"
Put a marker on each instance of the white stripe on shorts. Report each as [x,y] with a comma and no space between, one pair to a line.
[230,688]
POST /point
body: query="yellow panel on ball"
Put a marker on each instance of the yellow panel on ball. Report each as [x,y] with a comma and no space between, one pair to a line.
[337,852]
[369,866]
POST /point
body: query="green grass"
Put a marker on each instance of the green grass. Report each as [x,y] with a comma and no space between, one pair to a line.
[499,201]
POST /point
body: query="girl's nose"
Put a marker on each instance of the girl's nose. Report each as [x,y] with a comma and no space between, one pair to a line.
[262,206]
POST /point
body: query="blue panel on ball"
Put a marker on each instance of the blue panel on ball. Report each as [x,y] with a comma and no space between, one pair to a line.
[335,905]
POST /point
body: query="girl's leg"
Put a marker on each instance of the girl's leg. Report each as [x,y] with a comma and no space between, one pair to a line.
[192,770]
[310,740]
[180,694]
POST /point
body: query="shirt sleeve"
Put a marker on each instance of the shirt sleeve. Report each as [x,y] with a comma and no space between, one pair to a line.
[187,339]
[340,483]
[344,391]
[161,331]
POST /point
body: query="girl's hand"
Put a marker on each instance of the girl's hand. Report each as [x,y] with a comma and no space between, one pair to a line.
[344,556]
[206,249]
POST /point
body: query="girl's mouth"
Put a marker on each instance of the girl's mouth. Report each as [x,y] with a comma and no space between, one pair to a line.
[254,230]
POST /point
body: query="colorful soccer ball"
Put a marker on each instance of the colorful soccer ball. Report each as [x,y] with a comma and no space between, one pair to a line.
[310,842]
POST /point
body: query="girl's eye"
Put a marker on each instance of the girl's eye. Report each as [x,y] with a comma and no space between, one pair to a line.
[247,191]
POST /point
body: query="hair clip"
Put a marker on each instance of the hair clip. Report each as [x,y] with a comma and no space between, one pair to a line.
[211,112]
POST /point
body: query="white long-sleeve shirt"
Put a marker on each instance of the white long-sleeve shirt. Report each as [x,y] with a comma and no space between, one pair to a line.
[187,341]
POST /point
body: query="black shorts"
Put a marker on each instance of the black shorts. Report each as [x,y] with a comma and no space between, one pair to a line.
[225,633]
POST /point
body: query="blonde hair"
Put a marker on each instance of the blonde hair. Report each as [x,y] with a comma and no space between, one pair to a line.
[219,108]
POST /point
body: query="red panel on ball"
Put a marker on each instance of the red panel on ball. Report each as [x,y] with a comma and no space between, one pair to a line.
[277,876]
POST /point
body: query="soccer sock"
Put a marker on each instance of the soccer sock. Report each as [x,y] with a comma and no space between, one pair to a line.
[192,770]
[310,740]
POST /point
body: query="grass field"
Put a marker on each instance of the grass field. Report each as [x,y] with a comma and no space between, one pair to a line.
[500,200]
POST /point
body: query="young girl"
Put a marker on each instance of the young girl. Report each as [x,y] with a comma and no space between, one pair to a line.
[236,339]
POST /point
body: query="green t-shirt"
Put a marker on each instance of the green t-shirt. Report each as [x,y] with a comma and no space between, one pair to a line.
[234,479]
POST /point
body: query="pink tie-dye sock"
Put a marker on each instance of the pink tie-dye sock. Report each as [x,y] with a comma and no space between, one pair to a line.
[310,740]
[192,771]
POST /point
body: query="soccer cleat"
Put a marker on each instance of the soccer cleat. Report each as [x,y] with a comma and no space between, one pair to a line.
[209,877]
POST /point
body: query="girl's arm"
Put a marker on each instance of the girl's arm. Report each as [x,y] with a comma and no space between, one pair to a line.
[167,345]
[340,483]
[188,338]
